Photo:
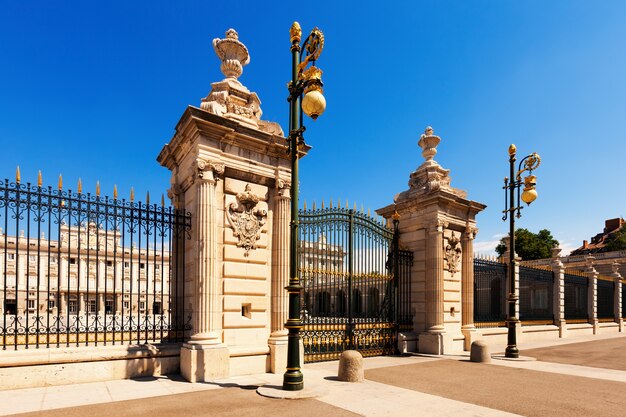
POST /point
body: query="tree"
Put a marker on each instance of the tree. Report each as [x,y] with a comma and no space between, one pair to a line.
[530,246]
[616,241]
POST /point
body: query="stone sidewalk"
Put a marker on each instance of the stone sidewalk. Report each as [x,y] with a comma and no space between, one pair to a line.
[415,385]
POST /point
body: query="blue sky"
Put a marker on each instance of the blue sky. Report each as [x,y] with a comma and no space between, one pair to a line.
[94,89]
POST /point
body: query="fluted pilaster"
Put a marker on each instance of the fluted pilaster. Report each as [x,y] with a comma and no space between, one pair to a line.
[467,279]
[434,279]
[280,262]
[206,299]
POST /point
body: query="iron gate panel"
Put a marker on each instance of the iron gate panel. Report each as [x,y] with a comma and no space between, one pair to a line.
[536,288]
[606,288]
[490,284]
[350,299]
[576,289]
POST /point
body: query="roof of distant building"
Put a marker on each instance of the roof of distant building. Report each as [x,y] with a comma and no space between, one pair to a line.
[599,241]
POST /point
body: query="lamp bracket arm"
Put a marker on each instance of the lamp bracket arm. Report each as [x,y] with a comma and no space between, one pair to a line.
[313,45]
[530,162]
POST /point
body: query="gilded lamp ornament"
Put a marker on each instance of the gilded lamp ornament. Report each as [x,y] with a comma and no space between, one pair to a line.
[313,102]
[310,79]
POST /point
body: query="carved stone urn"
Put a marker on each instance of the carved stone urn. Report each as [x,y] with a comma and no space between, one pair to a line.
[233,54]
[428,142]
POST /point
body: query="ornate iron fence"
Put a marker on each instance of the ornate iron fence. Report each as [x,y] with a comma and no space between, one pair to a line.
[536,288]
[605,298]
[490,284]
[356,284]
[576,296]
[80,269]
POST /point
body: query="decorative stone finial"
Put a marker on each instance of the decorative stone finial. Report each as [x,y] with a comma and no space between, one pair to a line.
[428,142]
[233,53]
[231,99]
[614,266]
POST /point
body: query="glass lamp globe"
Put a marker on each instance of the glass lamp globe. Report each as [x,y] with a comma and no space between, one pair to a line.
[529,195]
[313,104]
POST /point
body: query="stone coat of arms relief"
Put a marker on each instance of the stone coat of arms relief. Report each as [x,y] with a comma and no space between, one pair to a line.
[452,254]
[246,220]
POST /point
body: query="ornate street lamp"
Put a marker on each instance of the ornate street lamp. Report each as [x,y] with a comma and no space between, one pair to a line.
[307,82]
[530,162]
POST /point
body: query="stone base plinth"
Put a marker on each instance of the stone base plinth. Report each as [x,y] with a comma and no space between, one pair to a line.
[200,363]
[407,342]
[470,335]
[431,343]
[562,325]
[278,355]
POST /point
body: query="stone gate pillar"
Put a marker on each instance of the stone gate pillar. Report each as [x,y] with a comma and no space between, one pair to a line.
[231,171]
[592,294]
[437,223]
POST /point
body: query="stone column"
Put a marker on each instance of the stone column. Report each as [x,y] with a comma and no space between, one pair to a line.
[558,294]
[205,288]
[119,305]
[63,304]
[280,277]
[432,341]
[617,303]
[205,357]
[101,303]
[20,262]
[467,286]
[434,278]
[81,304]
[592,294]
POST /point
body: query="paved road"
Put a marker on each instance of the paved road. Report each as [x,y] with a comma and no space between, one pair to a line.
[607,353]
[519,391]
[589,381]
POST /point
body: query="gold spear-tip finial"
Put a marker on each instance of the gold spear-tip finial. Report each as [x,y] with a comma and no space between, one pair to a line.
[132,194]
[512,150]
[18,176]
[97,188]
[60,183]
[114,191]
[80,186]
[295,32]
[39,179]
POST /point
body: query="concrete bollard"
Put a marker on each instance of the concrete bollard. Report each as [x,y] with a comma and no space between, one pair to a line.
[480,352]
[351,366]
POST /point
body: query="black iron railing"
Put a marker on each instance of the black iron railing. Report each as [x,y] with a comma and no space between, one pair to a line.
[576,295]
[80,269]
[490,284]
[605,298]
[536,288]
[350,297]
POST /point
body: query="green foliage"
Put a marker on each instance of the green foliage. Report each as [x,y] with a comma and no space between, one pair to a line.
[617,241]
[530,246]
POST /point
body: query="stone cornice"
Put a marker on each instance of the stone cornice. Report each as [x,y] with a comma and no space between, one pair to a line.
[196,123]
[441,198]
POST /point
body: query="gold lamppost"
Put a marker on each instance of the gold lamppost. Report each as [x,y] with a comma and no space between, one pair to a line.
[305,82]
[511,210]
